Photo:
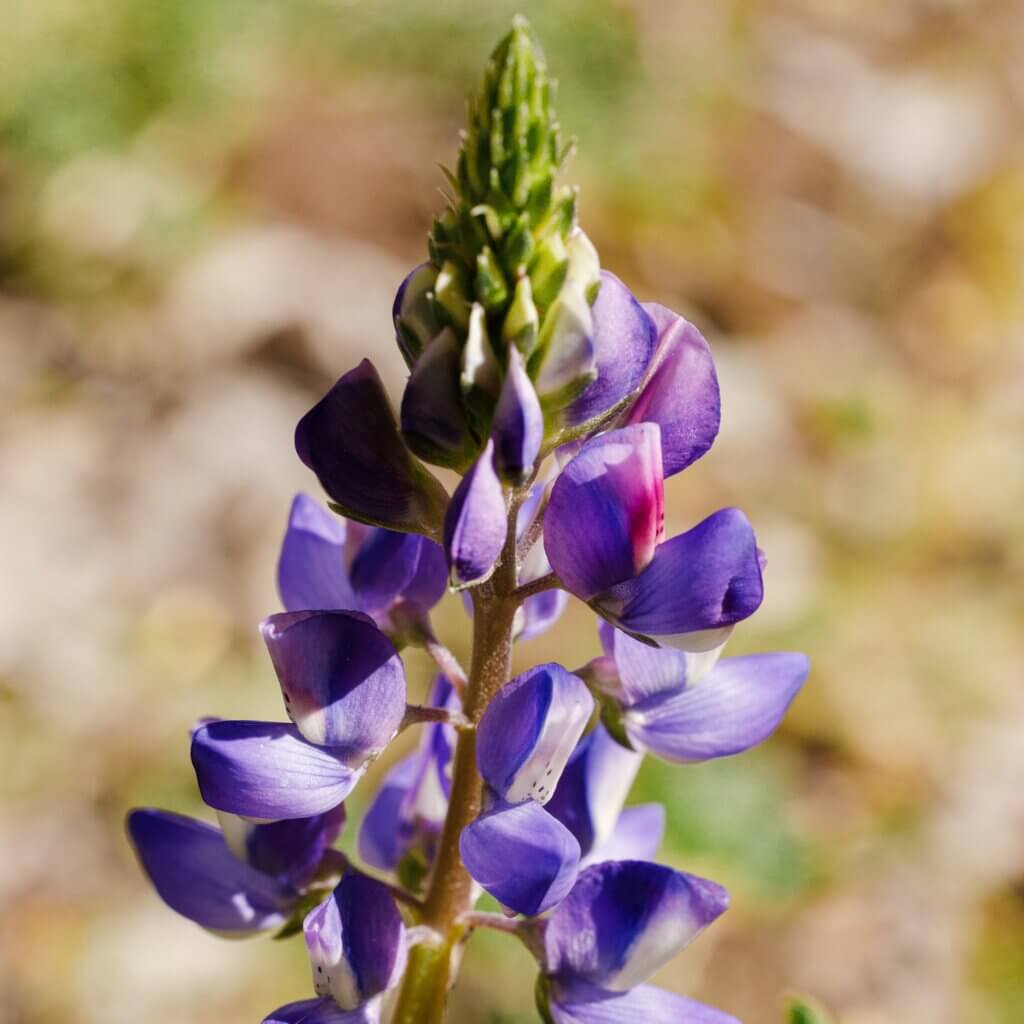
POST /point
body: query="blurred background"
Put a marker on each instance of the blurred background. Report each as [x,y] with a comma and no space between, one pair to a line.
[205,208]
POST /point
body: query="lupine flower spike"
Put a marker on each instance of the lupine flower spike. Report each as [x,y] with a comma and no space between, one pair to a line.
[562,403]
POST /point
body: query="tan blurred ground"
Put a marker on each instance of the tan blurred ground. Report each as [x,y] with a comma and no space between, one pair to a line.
[205,208]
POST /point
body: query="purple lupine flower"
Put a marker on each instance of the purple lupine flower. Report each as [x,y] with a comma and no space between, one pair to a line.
[267,770]
[624,343]
[342,681]
[680,393]
[351,442]
[589,801]
[356,942]
[330,564]
[602,535]
[224,886]
[408,811]
[518,423]
[519,853]
[621,922]
[539,612]
[519,347]
[685,707]
[475,524]
[344,687]
[435,424]
[357,950]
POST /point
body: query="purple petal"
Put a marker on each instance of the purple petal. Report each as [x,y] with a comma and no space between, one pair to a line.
[267,770]
[625,919]
[323,1011]
[356,941]
[644,1004]
[737,705]
[518,428]
[311,570]
[343,683]
[594,787]
[540,612]
[606,512]
[434,420]
[392,566]
[522,856]
[643,671]
[681,395]
[382,843]
[350,440]
[698,586]
[637,835]
[475,525]
[290,850]
[624,342]
[529,730]
[195,874]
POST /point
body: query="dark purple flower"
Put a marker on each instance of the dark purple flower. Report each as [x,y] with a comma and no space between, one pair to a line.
[342,681]
[328,563]
[625,919]
[475,524]
[268,770]
[602,529]
[680,393]
[529,730]
[409,808]
[435,423]
[624,343]
[289,850]
[196,873]
[518,428]
[522,856]
[351,441]
[356,942]
[606,514]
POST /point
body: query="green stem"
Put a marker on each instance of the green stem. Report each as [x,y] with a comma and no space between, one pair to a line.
[428,977]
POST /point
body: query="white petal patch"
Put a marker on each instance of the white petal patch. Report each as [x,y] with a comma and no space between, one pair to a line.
[236,832]
[332,974]
[700,663]
[607,790]
[539,774]
[699,642]
[665,935]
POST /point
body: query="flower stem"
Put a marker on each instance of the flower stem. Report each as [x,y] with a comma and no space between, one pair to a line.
[424,992]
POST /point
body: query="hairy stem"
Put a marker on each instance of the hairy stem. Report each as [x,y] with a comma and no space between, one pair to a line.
[431,968]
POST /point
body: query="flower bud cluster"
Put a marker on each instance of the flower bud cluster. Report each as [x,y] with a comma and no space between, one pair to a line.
[519,348]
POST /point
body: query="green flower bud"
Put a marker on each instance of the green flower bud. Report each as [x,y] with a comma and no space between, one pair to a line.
[481,371]
[522,320]
[550,266]
[563,363]
[490,285]
[451,296]
[584,264]
[415,318]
